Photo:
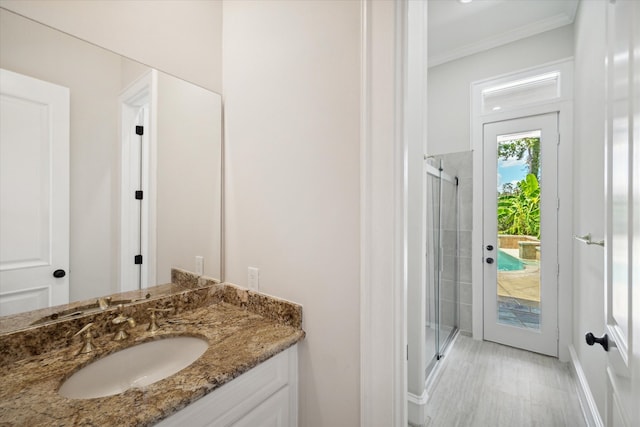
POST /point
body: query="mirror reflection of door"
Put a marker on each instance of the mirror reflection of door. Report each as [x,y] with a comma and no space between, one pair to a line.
[520,233]
[34,193]
[136,259]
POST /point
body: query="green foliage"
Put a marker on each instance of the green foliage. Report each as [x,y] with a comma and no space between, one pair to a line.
[519,209]
[518,148]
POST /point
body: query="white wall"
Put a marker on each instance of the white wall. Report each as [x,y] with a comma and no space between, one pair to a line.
[449,83]
[291,91]
[131,71]
[588,195]
[180,37]
[38,51]
[188,179]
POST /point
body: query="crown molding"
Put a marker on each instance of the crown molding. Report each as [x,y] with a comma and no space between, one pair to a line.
[538,27]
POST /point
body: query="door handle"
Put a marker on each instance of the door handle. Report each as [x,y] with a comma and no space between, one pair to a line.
[489,260]
[59,273]
[604,341]
[489,247]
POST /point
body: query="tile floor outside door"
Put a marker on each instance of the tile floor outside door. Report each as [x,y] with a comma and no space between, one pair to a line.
[483,384]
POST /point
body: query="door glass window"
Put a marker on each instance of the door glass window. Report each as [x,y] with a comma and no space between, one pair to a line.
[518,233]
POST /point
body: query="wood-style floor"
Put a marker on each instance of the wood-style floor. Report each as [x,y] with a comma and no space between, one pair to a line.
[483,384]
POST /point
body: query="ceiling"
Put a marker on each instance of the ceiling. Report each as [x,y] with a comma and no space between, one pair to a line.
[457,29]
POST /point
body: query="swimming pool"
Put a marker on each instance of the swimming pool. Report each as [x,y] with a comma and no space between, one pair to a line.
[507,262]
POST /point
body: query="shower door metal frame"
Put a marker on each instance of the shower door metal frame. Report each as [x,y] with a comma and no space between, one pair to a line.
[439,173]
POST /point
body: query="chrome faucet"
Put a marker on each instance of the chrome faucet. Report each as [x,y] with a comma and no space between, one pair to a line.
[122,320]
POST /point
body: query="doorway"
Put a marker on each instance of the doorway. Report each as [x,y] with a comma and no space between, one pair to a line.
[505,103]
[520,232]
[137,217]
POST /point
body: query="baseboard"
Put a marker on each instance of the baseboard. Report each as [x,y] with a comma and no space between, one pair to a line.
[587,403]
[417,405]
[417,409]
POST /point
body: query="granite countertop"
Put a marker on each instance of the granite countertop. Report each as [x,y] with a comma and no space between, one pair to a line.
[243,329]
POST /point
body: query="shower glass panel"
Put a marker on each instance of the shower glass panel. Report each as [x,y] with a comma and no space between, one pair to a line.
[449,265]
[442,261]
[433,265]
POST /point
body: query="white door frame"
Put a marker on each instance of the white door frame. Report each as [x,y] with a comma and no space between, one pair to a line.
[383,210]
[141,92]
[635,245]
[563,105]
[415,132]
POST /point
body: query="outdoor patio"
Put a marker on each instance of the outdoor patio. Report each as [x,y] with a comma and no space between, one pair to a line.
[519,295]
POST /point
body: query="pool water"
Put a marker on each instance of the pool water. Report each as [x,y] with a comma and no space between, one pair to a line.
[507,262]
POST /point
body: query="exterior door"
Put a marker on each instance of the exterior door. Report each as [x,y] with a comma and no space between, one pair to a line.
[622,239]
[34,193]
[520,233]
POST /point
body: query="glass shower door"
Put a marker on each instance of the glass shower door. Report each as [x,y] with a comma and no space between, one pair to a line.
[448,283]
[441,261]
[433,265]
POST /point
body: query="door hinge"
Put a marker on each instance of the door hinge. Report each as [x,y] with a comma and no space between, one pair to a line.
[558,136]
[558,270]
[139,194]
[407,351]
[137,259]
[558,204]
[139,130]
[557,334]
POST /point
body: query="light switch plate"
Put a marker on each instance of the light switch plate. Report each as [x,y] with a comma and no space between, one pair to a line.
[254,278]
[199,265]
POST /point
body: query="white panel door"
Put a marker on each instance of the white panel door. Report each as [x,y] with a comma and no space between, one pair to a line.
[34,193]
[622,239]
[520,235]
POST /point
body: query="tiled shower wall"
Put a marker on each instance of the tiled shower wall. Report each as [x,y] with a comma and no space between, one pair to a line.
[460,165]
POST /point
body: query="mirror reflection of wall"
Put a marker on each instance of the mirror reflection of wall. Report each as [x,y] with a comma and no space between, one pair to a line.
[187,147]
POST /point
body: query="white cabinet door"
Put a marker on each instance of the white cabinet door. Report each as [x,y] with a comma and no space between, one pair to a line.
[34,193]
[273,412]
[622,241]
[266,395]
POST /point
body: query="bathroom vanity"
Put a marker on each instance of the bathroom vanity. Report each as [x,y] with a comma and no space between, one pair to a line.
[246,376]
[247,371]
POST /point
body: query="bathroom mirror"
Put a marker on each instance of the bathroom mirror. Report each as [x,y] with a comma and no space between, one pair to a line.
[178,221]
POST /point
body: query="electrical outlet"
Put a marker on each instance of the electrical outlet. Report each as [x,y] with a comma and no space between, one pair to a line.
[199,265]
[254,278]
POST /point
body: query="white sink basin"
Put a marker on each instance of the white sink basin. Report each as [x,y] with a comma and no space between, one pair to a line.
[133,367]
